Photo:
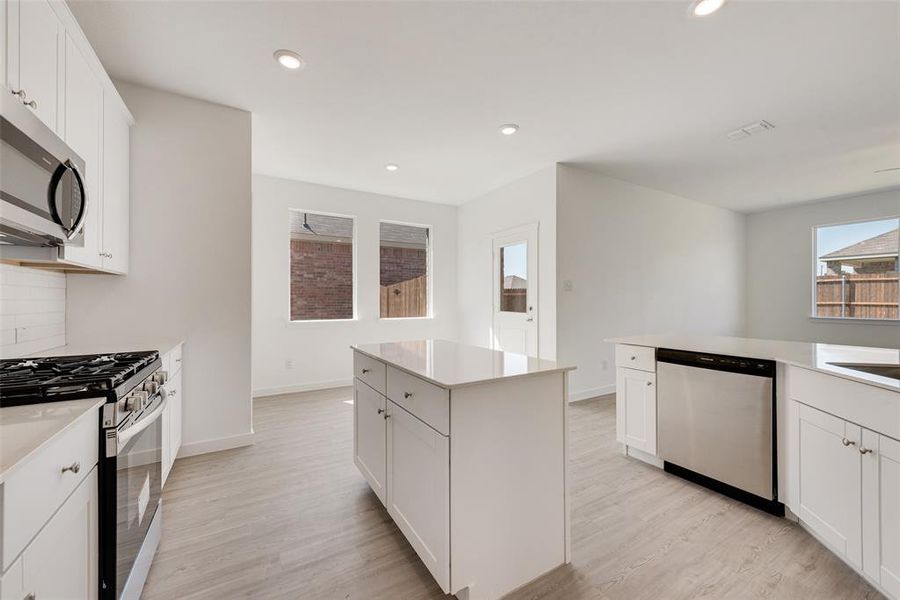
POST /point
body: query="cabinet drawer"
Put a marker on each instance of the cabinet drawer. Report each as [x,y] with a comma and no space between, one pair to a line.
[33,493]
[428,402]
[636,357]
[370,371]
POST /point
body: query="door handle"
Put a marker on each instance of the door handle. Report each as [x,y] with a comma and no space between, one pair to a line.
[529,319]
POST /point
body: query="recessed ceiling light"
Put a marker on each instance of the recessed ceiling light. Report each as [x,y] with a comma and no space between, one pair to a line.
[509,129]
[289,59]
[702,8]
[391,167]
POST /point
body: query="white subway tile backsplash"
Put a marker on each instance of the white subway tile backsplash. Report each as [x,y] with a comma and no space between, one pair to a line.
[32,310]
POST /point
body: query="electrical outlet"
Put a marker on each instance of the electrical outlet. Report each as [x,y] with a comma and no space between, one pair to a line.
[288,364]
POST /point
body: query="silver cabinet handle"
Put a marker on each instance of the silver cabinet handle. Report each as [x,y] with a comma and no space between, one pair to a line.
[380,411]
[364,371]
[30,596]
[407,394]
[31,103]
[178,360]
[649,383]
[387,416]
[20,93]
[74,467]
[865,450]
[847,442]
[634,358]
[172,392]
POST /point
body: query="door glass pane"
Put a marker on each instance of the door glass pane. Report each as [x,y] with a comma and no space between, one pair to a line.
[514,277]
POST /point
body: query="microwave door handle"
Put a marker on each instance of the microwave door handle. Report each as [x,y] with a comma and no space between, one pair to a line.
[82,214]
[142,424]
[55,182]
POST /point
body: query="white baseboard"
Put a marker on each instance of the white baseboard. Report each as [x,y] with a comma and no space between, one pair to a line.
[206,446]
[303,387]
[592,393]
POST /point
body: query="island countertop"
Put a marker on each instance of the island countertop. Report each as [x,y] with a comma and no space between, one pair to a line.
[808,355]
[452,365]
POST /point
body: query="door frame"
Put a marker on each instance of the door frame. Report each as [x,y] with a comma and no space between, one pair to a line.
[530,233]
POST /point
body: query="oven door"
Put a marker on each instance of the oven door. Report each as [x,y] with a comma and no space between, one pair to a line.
[138,483]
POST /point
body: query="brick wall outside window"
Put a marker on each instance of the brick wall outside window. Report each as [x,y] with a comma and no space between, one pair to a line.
[402,264]
[321,280]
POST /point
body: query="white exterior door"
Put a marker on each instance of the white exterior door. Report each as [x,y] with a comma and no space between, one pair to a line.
[515,289]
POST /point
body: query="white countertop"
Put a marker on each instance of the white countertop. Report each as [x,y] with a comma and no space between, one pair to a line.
[802,354]
[449,365]
[25,429]
[107,348]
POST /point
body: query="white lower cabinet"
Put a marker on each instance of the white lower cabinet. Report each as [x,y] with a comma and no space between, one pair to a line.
[849,493]
[636,409]
[172,413]
[418,483]
[370,439]
[61,562]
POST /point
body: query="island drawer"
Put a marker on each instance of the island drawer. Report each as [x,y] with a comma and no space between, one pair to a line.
[642,358]
[33,492]
[426,401]
[370,371]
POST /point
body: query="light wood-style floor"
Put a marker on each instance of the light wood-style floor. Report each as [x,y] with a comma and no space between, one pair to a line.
[290,517]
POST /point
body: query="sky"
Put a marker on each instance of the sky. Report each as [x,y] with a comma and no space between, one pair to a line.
[515,260]
[829,239]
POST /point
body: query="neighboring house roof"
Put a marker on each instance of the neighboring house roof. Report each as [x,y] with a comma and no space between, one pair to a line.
[341,228]
[885,244]
[514,282]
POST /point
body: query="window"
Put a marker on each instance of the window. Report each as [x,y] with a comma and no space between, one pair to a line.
[321,266]
[857,270]
[513,277]
[404,255]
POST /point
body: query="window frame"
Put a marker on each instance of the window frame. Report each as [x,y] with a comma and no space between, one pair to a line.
[814,262]
[429,271]
[354,266]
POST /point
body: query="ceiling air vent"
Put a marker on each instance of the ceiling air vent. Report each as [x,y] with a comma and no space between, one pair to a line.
[746,131]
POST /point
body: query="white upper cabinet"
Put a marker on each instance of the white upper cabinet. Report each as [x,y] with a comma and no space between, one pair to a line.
[83,127]
[116,191]
[34,58]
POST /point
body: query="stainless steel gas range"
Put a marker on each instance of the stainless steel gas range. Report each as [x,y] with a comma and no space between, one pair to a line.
[130,465]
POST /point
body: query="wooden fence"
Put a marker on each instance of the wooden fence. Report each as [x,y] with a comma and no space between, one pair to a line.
[405,299]
[865,296]
[513,300]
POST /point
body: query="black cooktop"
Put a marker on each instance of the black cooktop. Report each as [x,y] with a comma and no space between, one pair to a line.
[56,378]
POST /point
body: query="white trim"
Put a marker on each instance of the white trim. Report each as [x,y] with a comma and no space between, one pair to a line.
[216,445]
[856,320]
[278,390]
[591,393]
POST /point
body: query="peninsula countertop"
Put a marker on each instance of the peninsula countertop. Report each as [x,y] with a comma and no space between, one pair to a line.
[25,429]
[808,355]
[452,365]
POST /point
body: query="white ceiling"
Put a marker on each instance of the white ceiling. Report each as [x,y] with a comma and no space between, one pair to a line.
[636,90]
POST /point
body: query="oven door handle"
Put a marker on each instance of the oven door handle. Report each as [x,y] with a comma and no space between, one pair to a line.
[143,423]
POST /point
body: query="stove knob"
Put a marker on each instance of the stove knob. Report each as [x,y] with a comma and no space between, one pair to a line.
[151,387]
[160,377]
[132,402]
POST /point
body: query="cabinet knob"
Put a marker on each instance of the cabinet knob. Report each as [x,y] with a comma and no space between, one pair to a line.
[74,467]
[847,442]
[865,450]
[649,383]
[407,394]
[634,358]
[387,416]
[380,411]
[364,371]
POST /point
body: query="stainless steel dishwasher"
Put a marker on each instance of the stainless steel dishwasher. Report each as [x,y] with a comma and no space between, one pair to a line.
[716,423]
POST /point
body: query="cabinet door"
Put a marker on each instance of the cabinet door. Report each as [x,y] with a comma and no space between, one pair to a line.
[116,161]
[166,450]
[830,481]
[61,562]
[38,59]
[636,409]
[889,529]
[418,489]
[177,400]
[84,112]
[369,439]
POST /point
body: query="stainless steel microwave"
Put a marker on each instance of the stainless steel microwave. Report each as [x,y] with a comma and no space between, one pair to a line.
[43,201]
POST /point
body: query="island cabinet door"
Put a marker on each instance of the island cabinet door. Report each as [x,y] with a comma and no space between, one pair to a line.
[370,438]
[636,409]
[889,488]
[831,481]
[419,489]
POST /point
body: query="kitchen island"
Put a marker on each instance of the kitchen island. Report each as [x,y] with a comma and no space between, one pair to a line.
[830,415]
[467,448]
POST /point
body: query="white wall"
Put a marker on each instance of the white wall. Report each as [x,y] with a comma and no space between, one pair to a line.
[32,310]
[639,261]
[189,274]
[780,272]
[320,351]
[527,200]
